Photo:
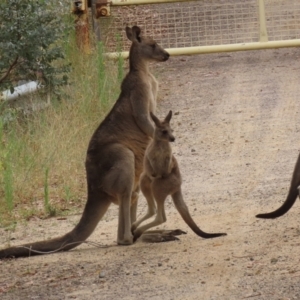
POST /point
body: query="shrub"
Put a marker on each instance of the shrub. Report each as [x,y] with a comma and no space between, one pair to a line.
[30,44]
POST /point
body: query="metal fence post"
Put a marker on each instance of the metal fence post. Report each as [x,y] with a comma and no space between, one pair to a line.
[80,9]
[263,33]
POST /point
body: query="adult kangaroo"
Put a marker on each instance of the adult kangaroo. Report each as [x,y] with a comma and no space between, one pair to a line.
[115,153]
[291,197]
[161,177]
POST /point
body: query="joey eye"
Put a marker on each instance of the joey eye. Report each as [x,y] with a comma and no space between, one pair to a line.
[153,46]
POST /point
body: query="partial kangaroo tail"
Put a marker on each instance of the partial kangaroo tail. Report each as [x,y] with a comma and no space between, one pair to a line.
[92,214]
[291,197]
[184,212]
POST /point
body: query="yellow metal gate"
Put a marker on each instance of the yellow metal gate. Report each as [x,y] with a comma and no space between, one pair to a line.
[203,26]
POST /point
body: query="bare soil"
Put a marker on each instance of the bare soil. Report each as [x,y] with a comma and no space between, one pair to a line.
[237,127]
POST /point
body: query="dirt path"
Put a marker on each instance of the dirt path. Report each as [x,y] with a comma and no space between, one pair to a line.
[237,127]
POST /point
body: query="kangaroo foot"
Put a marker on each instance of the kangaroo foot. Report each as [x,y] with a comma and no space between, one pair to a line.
[158,238]
[166,232]
[125,242]
[174,232]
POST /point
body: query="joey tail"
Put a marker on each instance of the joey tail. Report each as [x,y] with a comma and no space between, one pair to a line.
[184,212]
[290,199]
[93,212]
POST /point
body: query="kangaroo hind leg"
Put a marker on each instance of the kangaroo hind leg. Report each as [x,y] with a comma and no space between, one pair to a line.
[134,203]
[159,219]
[159,194]
[119,183]
[145,185]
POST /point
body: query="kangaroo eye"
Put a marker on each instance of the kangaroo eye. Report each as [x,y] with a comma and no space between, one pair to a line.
[165,131]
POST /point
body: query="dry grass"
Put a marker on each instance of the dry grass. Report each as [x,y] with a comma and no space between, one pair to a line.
[44,153]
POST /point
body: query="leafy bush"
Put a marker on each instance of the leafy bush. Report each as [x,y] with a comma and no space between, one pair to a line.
[31,38]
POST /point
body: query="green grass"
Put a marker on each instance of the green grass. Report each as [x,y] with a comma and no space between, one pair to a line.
[42,154]
[49,209]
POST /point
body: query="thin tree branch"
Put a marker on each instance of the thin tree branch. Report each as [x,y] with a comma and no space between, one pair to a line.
[9,69]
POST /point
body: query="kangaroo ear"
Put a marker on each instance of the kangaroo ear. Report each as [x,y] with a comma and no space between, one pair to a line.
[168,117]
[129,33]
[134,34]
[154,118]
[136,31]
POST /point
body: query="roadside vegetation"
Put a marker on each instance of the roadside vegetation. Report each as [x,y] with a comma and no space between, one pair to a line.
[42,151]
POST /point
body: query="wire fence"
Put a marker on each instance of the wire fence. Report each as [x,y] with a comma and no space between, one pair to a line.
[202,22]
[283,19]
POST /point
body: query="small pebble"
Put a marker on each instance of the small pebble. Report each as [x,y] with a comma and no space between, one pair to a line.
[274,260]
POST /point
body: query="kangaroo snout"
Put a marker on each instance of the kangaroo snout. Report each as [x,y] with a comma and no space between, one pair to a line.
[166,56]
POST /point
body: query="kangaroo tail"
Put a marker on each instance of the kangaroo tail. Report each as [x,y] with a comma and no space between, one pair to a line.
[184,212]
[290,199]
[92,214]
[284,208]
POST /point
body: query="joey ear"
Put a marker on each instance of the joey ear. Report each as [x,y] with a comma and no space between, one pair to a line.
[168,117]
[154,118]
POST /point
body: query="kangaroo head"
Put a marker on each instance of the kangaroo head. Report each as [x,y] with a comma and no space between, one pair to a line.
[163,130]
[145,47]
